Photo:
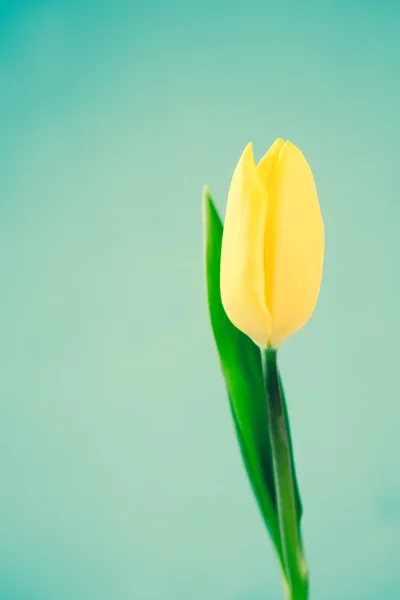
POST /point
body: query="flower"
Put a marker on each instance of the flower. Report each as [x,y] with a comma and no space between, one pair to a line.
[272,246]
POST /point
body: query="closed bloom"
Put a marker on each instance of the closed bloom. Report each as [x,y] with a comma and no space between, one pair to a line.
[272,246]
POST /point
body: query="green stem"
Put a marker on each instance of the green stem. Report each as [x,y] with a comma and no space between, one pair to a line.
[295,566]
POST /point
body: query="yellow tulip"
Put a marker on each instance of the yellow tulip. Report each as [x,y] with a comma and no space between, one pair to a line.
[272,246]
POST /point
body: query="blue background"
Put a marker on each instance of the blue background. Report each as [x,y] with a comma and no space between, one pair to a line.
[120,474]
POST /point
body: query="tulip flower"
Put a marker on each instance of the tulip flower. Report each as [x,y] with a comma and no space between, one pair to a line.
[263,273]
[272,246]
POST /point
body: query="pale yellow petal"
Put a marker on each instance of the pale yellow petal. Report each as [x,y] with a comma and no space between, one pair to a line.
[267,164]
[242,254]
[294,245]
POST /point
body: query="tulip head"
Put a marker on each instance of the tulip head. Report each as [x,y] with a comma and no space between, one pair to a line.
[272,246]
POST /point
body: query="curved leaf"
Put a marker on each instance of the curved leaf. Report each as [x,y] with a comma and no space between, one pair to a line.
[241,365]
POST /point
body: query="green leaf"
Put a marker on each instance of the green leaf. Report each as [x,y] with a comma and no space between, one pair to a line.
[241,365]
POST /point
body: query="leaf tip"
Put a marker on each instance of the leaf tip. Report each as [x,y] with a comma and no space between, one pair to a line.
[206,199]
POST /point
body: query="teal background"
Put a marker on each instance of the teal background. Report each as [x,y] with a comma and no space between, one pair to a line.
[120,473]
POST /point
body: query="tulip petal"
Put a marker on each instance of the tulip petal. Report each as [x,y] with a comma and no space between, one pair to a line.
[266,165]
[242,255]
[294,245]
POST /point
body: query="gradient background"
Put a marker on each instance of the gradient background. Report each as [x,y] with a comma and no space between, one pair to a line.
[120,474]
